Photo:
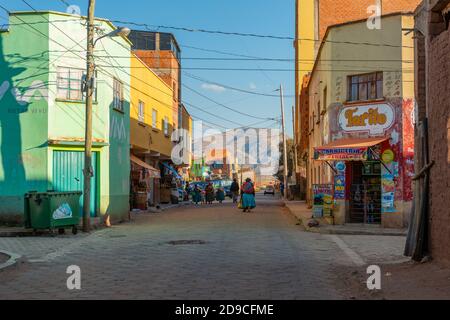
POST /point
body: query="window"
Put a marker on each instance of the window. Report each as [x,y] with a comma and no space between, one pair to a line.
[318,112]
[365,87]
[69,84]
[325,105]
[117,95]
[141,111]
[155,119]
[166,126]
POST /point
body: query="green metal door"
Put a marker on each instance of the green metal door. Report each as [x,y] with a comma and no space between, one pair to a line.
[68,175]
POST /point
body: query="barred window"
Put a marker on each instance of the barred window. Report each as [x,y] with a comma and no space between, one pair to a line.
[70,84]
[365,87]
[117,95]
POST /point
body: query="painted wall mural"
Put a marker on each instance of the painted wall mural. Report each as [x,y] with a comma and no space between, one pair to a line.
[392,118]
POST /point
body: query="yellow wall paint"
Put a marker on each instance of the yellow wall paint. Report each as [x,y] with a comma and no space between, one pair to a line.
[304,34]
[148,88]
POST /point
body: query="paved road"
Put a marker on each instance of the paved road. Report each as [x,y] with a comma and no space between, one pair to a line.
[261,255]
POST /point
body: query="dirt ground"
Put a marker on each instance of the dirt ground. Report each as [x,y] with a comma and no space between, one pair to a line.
[406,281]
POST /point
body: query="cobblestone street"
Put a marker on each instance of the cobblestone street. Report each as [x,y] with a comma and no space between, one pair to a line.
[261,255]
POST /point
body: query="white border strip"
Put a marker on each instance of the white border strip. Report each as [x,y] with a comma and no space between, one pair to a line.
[356,258]
[13,258]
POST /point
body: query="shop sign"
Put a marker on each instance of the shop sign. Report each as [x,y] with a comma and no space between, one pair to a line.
[388,156]
[339,187]
[340,166]
[374,119]
[388,193]
[323,199]
[341,154]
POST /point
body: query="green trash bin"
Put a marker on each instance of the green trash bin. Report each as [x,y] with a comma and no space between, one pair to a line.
[52,210]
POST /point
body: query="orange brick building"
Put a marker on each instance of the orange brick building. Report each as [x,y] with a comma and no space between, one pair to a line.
[160,51]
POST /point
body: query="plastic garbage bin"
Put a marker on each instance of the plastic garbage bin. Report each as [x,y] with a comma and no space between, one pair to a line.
[52,210]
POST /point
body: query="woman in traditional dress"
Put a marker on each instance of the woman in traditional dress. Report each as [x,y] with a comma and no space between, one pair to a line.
[248,196]
[209,193]
[220,195]
[197,195]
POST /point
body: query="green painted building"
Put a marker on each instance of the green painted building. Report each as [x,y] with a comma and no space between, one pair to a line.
[42,113]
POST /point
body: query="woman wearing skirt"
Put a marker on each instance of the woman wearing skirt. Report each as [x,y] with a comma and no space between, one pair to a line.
[248,196]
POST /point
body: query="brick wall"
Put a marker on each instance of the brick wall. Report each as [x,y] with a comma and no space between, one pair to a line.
[439,144]
[333,12]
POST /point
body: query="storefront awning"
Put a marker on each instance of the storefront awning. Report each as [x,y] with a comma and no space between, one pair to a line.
[175,172]
[154,173]
[347,149]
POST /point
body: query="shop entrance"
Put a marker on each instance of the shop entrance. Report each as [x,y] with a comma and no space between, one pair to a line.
[365,192]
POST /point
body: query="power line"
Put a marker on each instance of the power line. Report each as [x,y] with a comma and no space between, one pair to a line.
[224,106]
[83,58]
[154,28]
[212,114]
[278,69]
[233,88]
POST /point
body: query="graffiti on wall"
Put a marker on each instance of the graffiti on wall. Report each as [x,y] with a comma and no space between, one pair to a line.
[408,147]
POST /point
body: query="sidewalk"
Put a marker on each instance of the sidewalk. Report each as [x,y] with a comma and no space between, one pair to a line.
[300,210]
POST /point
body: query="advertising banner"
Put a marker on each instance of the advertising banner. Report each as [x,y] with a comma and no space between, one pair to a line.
[323,199]
[339,187]
[340,154]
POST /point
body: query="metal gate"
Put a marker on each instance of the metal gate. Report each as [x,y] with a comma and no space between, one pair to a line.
[365,193]
[68,175]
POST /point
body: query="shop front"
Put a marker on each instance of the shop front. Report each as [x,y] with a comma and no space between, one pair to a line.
[144,184]
[363,175]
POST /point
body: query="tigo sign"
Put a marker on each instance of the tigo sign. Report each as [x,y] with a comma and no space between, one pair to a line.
[375,119]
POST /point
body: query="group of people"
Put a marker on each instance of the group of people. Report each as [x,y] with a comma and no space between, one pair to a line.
[209,195]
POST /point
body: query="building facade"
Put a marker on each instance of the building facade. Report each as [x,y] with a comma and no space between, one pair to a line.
[160,51]
[432,34]
[361,122]
[151,129]
[42,114]
[313,18]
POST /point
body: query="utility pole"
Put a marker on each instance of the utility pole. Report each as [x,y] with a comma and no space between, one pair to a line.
[285,162]
[89,89]
[295,144]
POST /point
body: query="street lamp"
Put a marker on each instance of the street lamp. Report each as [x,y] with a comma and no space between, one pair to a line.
[119,32]
[89,88]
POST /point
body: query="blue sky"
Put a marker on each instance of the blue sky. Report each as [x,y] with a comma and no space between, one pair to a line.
[272,17]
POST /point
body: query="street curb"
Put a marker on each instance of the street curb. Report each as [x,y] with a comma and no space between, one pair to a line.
[324,230]
[12,261]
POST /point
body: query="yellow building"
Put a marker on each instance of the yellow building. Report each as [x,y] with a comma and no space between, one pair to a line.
[150,130]
[361,120]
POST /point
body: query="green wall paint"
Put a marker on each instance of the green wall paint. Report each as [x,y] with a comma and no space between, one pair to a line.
[27,56]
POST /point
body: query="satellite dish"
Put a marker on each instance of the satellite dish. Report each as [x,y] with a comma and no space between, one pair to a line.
[74,9]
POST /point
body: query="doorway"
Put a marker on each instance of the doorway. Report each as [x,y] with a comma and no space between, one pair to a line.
[68,175]
[365,192]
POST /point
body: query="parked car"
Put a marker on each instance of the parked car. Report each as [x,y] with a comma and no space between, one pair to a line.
[227,191]
[269,190]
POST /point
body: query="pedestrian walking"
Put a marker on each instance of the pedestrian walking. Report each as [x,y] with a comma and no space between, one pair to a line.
[234,189]
[248,196]
[282,189]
